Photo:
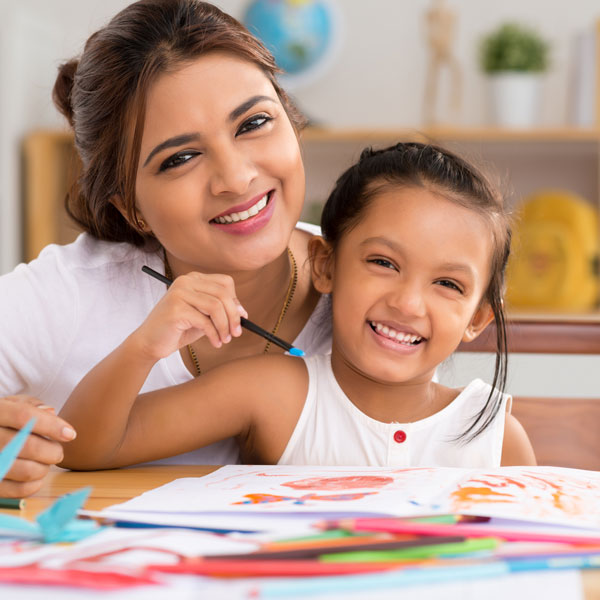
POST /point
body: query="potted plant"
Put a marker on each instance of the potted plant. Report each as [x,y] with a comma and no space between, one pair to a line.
[514,57]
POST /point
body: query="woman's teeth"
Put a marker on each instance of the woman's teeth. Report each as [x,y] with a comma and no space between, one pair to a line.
[245,214]
[398,336]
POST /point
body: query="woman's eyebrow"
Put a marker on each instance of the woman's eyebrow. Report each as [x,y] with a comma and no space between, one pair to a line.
[185,138]
[247,105]
[177,140]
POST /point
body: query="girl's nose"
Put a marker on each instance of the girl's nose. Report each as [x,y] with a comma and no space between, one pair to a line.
[408,300]
[232,172]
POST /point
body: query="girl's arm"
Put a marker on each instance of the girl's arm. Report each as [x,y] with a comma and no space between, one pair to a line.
[102,405]
[116,427]
[516,448]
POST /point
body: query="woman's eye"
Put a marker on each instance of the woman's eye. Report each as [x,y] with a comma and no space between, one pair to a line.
[254,123]
[449,284]
[382,262]
[177,160]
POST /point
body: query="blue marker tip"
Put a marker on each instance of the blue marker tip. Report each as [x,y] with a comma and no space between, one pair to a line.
[296,352]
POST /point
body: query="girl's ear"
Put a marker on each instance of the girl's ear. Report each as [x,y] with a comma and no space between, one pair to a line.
[321,264]
[481,319]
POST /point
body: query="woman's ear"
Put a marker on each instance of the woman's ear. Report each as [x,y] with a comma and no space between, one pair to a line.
[321,264]
[483,316]
[138,223]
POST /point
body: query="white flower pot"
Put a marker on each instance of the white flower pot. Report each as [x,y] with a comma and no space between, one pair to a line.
[515,98]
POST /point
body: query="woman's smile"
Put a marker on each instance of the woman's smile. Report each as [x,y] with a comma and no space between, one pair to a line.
[248,217]
[219,156]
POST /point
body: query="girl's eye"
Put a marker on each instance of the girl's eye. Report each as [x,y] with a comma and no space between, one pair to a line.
[254,123]
[449,284]
[382,262]
[177,160]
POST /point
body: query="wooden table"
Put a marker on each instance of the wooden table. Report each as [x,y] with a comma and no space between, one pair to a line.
[118,485]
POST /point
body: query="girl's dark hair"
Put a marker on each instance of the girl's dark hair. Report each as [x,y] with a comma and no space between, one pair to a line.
[431,167]
[103,96]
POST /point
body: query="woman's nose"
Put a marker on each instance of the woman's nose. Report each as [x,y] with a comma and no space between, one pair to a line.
[232,171]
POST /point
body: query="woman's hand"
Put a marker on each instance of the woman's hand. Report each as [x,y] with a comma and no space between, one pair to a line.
[195,305]
[41,450]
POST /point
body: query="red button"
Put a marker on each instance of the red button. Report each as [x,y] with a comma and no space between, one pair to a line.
[399,436]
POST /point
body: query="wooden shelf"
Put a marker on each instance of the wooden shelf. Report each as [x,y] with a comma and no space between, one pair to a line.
[561,334]
[474,134]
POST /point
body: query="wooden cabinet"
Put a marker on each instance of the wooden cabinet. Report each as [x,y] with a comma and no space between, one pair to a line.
[521,160]
[50,166]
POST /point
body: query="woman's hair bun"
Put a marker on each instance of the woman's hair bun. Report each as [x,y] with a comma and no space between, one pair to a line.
[63,88]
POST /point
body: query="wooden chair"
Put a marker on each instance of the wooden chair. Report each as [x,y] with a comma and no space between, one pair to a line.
[564,432]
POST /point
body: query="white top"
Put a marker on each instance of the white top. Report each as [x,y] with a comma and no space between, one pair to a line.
[66,310]
[333,431]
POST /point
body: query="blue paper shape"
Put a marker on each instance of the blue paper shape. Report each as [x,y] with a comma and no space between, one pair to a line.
[11,450]
[54,520]
[57,523]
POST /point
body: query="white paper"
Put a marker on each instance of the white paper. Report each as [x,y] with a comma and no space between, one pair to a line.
[546,495]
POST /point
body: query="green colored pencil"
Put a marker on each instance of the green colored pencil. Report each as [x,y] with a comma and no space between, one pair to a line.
[418,553]
[17,503]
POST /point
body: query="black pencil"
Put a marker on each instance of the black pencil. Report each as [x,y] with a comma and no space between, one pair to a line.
[247,324]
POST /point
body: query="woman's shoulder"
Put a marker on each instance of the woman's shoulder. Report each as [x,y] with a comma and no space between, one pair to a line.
[308,227]
[87,252]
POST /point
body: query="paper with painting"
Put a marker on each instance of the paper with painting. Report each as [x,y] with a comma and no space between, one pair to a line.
[537,494]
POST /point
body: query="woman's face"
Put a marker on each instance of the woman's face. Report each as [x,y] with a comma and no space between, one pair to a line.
[220,180]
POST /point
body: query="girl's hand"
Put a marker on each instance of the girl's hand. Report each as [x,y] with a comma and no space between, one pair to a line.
[195,305]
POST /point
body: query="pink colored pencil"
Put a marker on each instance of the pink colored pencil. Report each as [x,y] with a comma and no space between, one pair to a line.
[469,530]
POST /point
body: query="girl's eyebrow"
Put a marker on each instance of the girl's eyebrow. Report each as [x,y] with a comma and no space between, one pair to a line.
[397,248]
[185,138]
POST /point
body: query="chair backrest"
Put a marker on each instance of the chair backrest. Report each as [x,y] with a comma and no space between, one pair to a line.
[564,432]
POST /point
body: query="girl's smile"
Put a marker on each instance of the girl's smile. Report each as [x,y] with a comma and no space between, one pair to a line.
[398,311]
[396,337]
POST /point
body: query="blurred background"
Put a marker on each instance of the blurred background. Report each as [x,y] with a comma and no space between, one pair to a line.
[514,85]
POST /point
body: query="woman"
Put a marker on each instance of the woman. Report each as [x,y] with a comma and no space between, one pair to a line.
[191,165]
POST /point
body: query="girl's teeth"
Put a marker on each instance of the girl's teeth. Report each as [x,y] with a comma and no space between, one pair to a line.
[245,214]
[405,338]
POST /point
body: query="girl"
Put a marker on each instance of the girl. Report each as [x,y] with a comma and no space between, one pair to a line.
[413,256]
[190,163]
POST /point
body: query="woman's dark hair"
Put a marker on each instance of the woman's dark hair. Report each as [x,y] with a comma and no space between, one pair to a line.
[103,95]
[434,168]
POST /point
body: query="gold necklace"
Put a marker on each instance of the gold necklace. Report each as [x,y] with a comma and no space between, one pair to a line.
[288,300]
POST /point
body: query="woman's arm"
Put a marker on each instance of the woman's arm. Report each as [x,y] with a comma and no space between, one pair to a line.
[41,450]
[516,448]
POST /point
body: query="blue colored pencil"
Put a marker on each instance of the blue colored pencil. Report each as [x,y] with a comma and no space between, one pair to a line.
[421,575]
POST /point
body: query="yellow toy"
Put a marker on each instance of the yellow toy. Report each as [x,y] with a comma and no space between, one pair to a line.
[554,258]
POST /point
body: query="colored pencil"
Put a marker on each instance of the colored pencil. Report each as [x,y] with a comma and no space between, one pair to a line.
[353,545]
[395,525]
[269,568]
[247,324]
[16,503]
[395,578]
[415,552]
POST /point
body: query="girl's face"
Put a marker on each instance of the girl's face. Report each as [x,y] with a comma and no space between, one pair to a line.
[407,284]
[220,180]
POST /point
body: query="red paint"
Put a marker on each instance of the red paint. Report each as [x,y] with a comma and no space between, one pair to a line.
[340,483]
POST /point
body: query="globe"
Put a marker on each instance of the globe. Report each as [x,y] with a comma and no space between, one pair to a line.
[301,34]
